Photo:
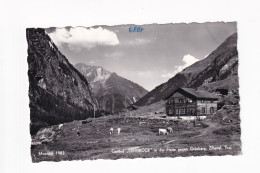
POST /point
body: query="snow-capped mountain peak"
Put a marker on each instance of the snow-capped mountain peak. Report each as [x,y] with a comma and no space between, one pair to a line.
[93,73]
[114,93]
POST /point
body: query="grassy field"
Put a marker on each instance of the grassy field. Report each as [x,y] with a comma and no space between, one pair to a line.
[139,138]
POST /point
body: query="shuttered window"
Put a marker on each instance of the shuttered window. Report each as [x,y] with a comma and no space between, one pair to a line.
[211,110]
[170,111]
[203,110]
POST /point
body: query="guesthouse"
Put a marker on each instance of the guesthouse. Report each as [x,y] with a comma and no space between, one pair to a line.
[191,102]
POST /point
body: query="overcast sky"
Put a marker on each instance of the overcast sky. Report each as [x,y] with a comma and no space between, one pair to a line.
[150,57]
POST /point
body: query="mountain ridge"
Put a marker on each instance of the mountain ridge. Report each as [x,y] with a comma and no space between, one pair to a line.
[210,68]
[113,92]
[57,91]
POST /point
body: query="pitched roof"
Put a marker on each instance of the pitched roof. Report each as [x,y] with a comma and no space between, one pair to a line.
[201,94]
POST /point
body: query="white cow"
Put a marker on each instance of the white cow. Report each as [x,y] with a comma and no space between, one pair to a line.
[78,132]
[60,126]
[163,131]
[169,129]
[111,130]
[118,130]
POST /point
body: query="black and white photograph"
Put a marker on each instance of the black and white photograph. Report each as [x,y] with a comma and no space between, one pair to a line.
[129,86]
[134,91]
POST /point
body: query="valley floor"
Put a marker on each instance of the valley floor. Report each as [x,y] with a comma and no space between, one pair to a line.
[138,139]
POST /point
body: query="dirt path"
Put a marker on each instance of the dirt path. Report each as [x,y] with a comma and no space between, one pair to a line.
[169,142]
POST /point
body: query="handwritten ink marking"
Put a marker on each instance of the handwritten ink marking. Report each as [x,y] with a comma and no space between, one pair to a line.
[136,29]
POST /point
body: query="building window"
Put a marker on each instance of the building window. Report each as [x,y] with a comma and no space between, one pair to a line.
[202,101]
[211,110]
[170,101]
[212,101]
[203,110]
[180,100]
[182,110]
[170,111]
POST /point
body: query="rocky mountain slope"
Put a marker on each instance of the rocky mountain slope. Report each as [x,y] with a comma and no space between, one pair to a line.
[114,93]
[217,70]
[58,92]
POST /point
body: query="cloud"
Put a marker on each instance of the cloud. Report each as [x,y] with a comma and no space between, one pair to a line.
[80,37]
[187,59]
[138,41]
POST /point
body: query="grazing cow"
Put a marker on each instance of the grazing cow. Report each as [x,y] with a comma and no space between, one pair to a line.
[169,129]
[78,133]
[118,130]
[163,131]
[111,130]
[60,126]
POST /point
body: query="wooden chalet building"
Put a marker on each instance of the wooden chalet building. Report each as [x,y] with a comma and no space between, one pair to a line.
[191,102]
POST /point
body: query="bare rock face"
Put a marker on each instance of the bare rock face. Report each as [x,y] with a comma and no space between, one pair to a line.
[217,70]
[58,92]
[113,92]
